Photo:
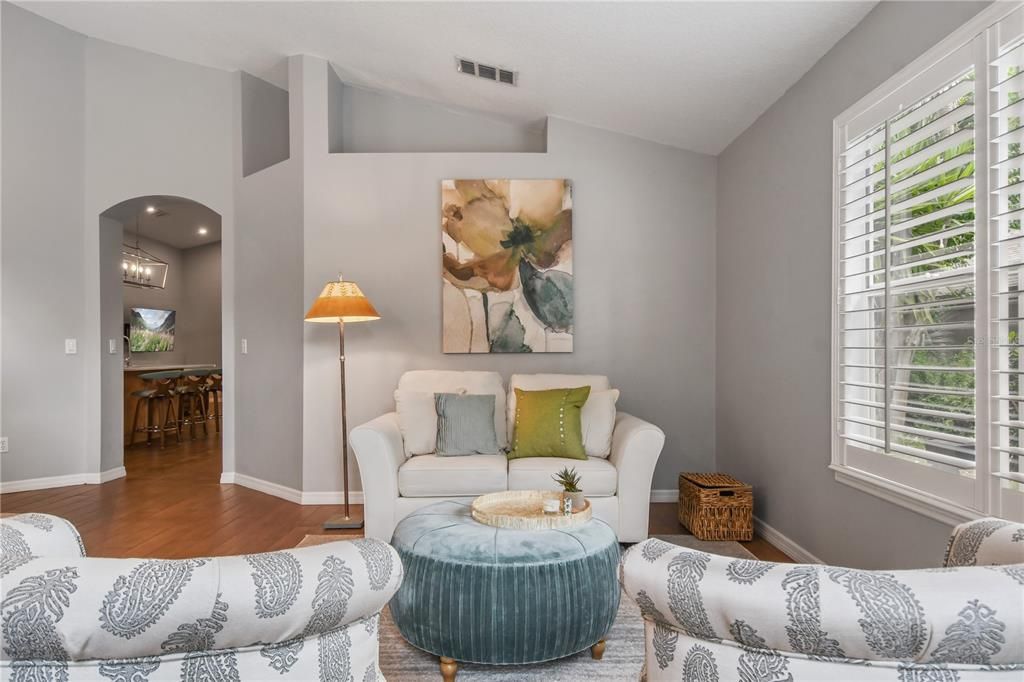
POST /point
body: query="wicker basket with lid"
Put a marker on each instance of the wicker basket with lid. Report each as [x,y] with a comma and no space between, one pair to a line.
[716,506]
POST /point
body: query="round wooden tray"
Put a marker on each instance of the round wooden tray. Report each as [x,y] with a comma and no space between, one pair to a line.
[524,510]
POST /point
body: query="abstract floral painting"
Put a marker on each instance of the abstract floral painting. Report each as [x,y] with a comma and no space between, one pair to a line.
[507,266]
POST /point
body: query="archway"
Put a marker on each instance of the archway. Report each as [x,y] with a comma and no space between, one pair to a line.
[161,316]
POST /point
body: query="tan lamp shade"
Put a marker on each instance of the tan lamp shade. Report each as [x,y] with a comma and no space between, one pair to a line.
[341,301]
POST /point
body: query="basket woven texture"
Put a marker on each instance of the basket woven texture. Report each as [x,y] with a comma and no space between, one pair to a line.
[716,506]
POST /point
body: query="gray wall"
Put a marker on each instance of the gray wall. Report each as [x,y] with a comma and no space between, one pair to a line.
[199,323]
[112,364]
[774,282]
[268,314]
[264,122]
[153,126]
[643,260]
[363,120]
[42,198]
[88,124]
[269,309]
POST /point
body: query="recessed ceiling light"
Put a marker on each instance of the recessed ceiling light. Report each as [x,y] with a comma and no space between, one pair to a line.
[201,230]
[151,209]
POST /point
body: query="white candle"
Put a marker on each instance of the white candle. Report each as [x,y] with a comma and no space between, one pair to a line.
[551,506]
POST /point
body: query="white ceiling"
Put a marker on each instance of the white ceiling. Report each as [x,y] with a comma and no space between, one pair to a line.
[689,74]
[176,221]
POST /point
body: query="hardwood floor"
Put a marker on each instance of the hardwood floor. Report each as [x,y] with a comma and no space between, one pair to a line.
[172,505]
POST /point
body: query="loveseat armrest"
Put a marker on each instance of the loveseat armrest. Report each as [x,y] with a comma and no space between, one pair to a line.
[985,542]
[379,452]
[27,536]
[636,446]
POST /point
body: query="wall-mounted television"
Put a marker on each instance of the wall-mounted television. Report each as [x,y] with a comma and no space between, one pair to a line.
[151,330]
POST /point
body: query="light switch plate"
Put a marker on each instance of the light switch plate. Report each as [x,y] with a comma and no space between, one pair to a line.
[245,346]
[3,444]
[70,346]
[112,346]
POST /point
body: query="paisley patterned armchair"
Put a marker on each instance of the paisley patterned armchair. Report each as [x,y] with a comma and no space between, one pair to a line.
[710,618]
[303,614]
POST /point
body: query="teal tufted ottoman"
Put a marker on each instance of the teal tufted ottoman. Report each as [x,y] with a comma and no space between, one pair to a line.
[480,594]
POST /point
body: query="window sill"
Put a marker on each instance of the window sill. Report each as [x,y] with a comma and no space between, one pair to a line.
[904,496]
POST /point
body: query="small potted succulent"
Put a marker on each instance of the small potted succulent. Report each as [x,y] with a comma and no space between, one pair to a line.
[570,482]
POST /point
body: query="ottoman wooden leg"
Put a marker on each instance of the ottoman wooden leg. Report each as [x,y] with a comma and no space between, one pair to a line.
[448,668]
[597,651]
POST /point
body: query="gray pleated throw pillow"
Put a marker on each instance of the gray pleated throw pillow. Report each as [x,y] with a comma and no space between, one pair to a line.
[465,424]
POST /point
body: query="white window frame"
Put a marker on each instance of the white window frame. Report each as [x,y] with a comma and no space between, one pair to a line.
[852,468]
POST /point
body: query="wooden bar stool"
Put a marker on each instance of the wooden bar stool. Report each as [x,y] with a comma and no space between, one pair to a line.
[160,394]
[192,400]
[213,388]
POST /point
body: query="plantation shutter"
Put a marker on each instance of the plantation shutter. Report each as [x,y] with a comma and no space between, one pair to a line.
[906,286]
[1006,138]
[928,398]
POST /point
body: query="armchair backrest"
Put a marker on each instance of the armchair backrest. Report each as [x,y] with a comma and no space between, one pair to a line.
[27,536]
[64,607]
[986,542]
[970,616]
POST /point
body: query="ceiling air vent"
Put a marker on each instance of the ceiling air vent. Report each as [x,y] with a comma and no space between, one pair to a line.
[491,73]
[488,72]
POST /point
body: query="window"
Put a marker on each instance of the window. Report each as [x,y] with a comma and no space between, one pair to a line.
[928,265]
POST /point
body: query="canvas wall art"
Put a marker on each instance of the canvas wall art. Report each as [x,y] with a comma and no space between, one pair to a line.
[507,266]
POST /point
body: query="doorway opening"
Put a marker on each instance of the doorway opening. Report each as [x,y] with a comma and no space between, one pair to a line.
[161,315]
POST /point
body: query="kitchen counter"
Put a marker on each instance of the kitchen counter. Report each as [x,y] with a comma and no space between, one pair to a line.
[160,368]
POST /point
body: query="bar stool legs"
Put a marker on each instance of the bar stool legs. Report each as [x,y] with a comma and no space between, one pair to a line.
[135,420]
[158,402]
[192,396]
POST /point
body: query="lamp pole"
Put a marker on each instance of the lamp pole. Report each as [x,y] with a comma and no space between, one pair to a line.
[345,521]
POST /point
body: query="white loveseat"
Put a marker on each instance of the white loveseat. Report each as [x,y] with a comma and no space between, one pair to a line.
[395,484]
[305,614]
[709,617]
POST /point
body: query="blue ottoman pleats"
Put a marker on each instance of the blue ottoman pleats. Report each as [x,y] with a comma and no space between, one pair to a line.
[487,595]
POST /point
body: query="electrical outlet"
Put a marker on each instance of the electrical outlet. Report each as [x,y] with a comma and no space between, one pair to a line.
[112,346]
[70,346]
[245,346]
[3,443]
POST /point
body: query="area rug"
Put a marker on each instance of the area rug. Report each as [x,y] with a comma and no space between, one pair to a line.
[719,547]
[623,657]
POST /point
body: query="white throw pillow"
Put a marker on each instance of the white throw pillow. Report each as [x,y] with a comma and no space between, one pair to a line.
[597,421]
[417,420]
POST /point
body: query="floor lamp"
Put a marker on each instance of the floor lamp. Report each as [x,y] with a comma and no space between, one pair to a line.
[342,302]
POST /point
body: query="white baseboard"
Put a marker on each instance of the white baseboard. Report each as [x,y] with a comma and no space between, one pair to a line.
[664,495]
[782,542]
[275,489]
[61,481]
[291,494]
[112,474]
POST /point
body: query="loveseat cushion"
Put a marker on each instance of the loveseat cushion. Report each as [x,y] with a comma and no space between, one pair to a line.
[598,477]
[433,476]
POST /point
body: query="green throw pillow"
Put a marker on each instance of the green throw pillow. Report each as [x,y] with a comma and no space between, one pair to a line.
[547,423]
